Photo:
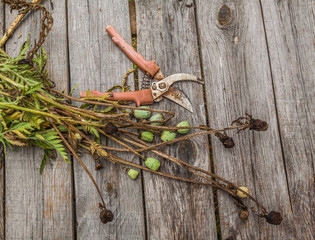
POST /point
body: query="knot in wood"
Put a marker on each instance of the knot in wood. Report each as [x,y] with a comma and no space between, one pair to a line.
[224,15]
[189,3]
[109,187]
[187,150]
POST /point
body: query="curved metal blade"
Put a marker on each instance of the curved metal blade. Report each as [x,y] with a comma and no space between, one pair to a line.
[182,77]
[177,96]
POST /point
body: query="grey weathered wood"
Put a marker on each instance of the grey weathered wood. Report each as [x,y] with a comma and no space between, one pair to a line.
[291,38]
[176,210]
[97,63]
[24,185]
[238,80]
[1,158]
[39,207]
[57,182]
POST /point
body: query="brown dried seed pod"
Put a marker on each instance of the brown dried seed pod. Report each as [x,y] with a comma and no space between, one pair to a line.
[98,164]
[243,215]
[226,140]
[258,125]
[106,216]
[274,218]
[110,128]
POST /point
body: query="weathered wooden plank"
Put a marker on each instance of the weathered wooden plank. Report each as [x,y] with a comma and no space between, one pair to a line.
[1,157]
[290,34]
[57,183]
[238,80]
[96,63]
[176,210]
[24,185]
[39,207]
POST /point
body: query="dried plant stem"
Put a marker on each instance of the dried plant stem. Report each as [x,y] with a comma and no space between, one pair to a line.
[190,136]
[126,131]
[69,108]
[123,161]
[121,143]
[80,161]
[8,105]
[3,52]
[15,24]
[197,171]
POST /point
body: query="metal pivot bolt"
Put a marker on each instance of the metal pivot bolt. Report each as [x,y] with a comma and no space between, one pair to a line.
[162,85]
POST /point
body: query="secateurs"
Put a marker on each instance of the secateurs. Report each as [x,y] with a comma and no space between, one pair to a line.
[161,87]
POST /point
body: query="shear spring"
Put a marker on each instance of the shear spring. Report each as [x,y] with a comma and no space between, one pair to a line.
[146,81]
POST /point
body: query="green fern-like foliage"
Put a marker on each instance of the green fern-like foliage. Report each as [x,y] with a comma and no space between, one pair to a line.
[50,141]
[21,124]
[31,111]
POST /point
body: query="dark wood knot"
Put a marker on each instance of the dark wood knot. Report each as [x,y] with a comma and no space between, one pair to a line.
[187,151]
[224,15]
[109,187]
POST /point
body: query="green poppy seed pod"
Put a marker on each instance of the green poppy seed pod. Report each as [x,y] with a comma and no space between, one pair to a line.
[157,117]
[152,163]
[147,136]
[183,124]
[142,114]
[133,174]
[167,135]
[241,194]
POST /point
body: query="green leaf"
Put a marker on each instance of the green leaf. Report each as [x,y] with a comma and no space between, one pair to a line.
[37,105]
[85,105]
[43,164]
[22,127]
[92,130]
[34,88]
[47,155]
[73,89]
[25,46]
[49,141]
[105,96]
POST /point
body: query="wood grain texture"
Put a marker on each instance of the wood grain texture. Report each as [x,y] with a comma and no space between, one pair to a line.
[39,206]
[57,183]
[238,80]
[290,29]
[97,63]
[2,158]
[24,185]
[176,210]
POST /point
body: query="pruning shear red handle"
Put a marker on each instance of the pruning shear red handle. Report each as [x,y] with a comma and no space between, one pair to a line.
[148,67]
[141,97]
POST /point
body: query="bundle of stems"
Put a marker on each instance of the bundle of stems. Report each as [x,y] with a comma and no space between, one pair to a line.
[33,113]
